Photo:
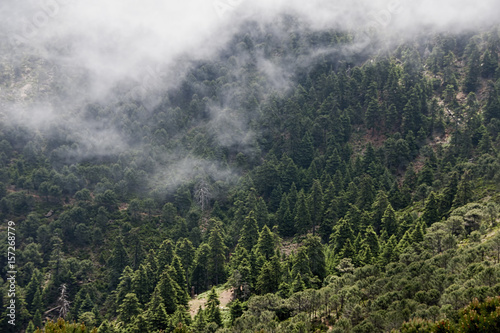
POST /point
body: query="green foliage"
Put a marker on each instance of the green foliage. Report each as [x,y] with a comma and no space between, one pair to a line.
[378,154]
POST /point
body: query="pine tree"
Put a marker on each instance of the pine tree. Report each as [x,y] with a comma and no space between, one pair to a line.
[373,115]
[490,63]
[305,151]
[166,289]
[33,287]
[389,253]
[366,193]
[329,218]
[200,275]
[156,314]
[236,310]
[289,173]
[143,282]
[266,282]
[165,254]
[474,68]
[37,319]
[371,239]
[129,308]
[365,256]
[125,285]
[249,232]
[389,221]
[417,235]
[449,192]
[492,109]
[261,213]
[200,322]
[177,273]
[186,252]
[348,250]
[316,255]
[302,218]
[301,264]
[242,279]
[181,316]
[464,191]
[298,284]
[342,232]
[31,327]
[118,261]
[333,162]
[379,207]
[265,244]
[217,254]
[431,213]
[316,204]
[212,308]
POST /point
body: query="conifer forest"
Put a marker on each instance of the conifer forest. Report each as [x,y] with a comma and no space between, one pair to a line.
[249,166]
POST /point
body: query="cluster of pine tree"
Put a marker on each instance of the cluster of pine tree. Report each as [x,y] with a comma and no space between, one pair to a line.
[364,199]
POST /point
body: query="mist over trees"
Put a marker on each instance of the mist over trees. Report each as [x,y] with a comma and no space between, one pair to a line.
[324,184]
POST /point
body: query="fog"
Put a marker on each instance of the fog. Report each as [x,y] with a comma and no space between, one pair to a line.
[149,45]
[117,39]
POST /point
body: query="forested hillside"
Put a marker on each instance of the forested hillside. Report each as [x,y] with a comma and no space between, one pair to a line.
[326,187]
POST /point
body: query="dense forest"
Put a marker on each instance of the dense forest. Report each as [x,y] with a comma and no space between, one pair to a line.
[321,187]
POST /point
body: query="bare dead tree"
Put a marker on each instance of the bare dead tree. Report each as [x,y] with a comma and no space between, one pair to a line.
[203,194]
[62,303]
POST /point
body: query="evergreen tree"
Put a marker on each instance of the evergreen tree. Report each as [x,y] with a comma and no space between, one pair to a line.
[342,232]
[389,221]
[200,275]
[348,250]
[316,255]
[474,68]
[199,322]
[464,191]
[32,288]
[166,289]
[178,273]
[417,235]
[261,213]
[490,63]
[431,213]
[125,285]
[267,281]
[305,151]
[265,244]
[156,314]
[492,108]
[129,308]
[301,264]
[31,327]
[298,284]
[249,232]
[379,207]
[217,252]
[186,252]
[302,218]
[165,254]
[212,308]
[389,253]
[316,204]
[371,239]
[143,282]
[181,317]
[284,217]
[118,261]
